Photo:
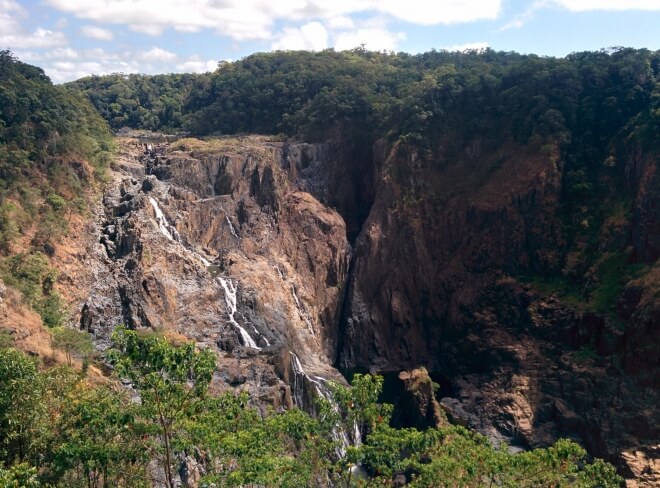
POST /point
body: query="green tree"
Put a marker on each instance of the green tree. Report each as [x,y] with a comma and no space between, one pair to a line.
[75,343]
[21,405]
[172,382]
[19,476]
[100,441]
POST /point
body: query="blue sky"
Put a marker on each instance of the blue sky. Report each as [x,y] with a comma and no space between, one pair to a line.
[74,38]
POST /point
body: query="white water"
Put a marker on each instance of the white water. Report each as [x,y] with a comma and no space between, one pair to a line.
[338,433]
[228,286]
[230,301]
[231,227]
[165,227]
[298,385]
[169,231]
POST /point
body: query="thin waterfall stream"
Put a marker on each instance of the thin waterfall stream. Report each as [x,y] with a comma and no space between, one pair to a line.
[339,434]
[229,287]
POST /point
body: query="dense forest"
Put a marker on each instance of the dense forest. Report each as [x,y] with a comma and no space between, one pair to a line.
[394,95]
[588,108]
[139,101]
[56,430]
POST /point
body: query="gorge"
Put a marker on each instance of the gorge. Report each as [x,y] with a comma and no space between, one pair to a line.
[486,221]
[435,287]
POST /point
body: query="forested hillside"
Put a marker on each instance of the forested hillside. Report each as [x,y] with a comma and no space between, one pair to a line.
[58,431]
[491,217]
[585,110]
[53,148]
[394,95]
[140,101]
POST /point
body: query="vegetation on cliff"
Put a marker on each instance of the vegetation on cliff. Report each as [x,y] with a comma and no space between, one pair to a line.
[53,147]
[56,430]
[588,114]
[587,111]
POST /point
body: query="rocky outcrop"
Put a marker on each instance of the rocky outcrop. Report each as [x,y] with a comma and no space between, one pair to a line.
[438,280]
[218,245]
[418,405]
[236,244]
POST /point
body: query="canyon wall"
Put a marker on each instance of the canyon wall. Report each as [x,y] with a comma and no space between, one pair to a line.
[455,270]
[442,261]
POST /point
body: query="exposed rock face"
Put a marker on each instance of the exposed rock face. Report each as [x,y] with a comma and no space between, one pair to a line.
[218,245]
[418,404]
[235,243]
[435,282]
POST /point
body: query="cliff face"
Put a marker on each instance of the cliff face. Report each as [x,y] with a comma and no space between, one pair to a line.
[217,245]
[453,270]
[236,244]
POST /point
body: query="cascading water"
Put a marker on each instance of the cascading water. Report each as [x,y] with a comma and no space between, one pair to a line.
[165,227]
[339,434]
[228,286]
[231,227]
[169,231]
[230,301]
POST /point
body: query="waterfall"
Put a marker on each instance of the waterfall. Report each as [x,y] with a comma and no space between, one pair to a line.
[169,231]
[231,227]
[298,381]
[165,227]
[228,286]
[230,301]
[338,433]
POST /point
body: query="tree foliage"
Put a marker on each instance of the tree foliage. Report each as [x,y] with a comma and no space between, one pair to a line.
[53,147]
[58,431]
[139,101]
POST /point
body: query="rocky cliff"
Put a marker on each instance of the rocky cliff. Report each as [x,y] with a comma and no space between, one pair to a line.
[235,243]
[213,241]
[457,267]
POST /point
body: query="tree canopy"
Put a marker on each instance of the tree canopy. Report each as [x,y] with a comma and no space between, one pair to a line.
[57,430]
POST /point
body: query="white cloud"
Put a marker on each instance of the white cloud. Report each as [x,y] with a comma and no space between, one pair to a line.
[29,56]
[61,23]
[196,65]
[40,38]
[440,12]
[95,32]
[62,53]
[525,16]
[254,19]
[14,36]
[157,54]
[311,37]
[340,22]
[470,46]
[529,13]
[66,64]
[374,38]
[583,5]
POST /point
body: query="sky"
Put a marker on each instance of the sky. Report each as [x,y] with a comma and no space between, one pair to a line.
[70,39]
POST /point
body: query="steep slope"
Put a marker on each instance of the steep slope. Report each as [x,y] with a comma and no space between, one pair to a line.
[54,150]
[502,208]
[216,244]
[459,271]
